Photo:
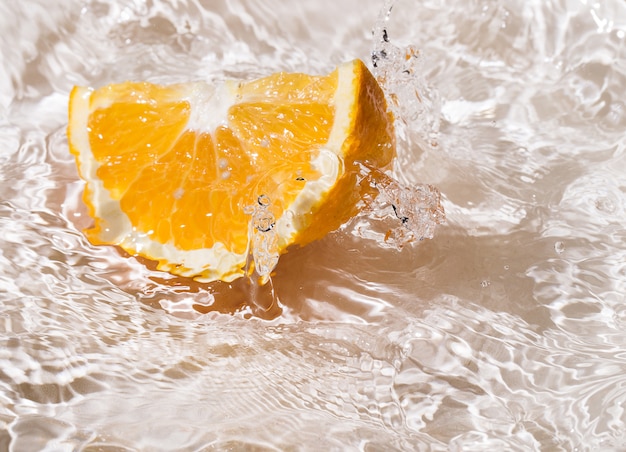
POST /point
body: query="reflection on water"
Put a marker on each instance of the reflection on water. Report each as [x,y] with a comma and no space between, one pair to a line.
[505,332]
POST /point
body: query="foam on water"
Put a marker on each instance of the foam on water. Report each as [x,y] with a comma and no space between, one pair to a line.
[505,332]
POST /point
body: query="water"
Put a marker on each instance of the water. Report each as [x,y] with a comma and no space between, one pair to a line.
[505,332]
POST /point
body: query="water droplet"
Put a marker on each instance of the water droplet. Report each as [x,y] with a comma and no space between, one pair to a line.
[559,247]
[263,201]
[605,204]
[264,223]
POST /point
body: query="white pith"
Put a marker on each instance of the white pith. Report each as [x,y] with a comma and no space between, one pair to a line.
[209,264]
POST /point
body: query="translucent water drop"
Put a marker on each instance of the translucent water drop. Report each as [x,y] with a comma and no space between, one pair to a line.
[559,247]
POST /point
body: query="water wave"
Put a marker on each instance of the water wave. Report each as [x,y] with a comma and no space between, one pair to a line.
[504,332]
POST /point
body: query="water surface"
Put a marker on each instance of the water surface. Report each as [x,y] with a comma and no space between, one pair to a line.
[506,331]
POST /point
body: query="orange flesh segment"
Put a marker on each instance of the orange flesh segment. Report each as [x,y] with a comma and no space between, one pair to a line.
[195,211]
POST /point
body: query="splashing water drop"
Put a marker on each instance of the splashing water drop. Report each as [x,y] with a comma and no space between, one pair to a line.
[264,238]
[418,207]
[413,102]
[416,108]
[262,254]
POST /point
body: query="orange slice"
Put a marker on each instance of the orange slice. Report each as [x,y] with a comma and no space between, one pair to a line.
[169,170]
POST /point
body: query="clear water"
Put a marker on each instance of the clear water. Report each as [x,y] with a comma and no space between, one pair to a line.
[507,331]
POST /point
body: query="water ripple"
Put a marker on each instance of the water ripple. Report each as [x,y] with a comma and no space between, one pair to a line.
[506,332]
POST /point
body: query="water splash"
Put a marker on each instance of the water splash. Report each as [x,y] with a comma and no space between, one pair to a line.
[263,237]
[415,105]
[262,254]
[417,208]
[417,110]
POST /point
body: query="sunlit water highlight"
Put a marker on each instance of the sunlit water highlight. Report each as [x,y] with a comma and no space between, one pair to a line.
[506,331]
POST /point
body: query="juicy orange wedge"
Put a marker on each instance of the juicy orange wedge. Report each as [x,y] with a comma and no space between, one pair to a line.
[170,170]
